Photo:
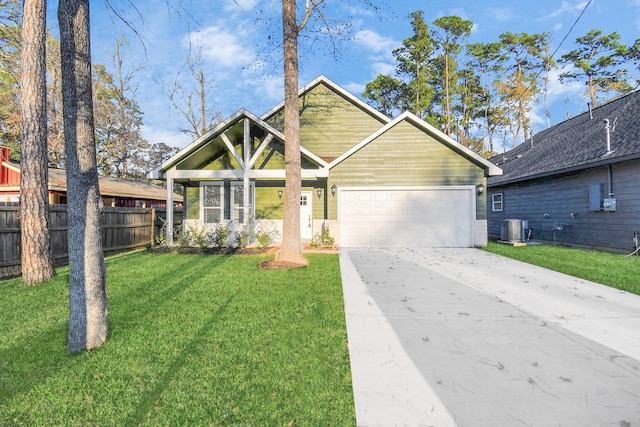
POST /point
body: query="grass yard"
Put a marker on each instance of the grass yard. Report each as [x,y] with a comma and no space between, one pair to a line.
[609,269]
[194,340]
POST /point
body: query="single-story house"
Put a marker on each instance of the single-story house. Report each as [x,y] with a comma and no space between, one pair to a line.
[114,191]
[577,182]
[371,180]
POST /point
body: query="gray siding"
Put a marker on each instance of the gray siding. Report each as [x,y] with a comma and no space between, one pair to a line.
[549,201]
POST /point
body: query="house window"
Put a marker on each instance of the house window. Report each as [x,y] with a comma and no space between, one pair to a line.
[212,196]
[237,201]
[496,202]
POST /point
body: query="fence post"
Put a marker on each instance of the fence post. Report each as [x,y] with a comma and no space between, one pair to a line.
[153,227]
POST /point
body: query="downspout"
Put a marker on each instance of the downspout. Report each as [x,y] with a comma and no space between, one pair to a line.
[610,180]
[607,127]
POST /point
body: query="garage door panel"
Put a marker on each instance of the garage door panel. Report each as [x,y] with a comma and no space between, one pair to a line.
[407,218]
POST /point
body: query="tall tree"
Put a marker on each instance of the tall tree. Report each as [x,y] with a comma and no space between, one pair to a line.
[291,250]
[549,64]
[486,59]
[10,33]
[520,86]
[55,137]
[414,61]
[194,105]
[36,256]
[87,274]
[599,61]
[387,95]
[452,30]
[118,119]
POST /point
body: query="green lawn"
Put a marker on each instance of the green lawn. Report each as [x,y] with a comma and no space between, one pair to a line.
[615,270]
[194,340]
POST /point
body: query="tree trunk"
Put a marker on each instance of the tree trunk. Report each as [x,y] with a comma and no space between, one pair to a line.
[291,250]
[36,256]
[87,284]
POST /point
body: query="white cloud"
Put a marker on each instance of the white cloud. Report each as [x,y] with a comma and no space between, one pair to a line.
[375,43]
[222,47]
[500,14]
[355,88]
[173,139]
[240,5]
[385,68]
[566,7]
[566,99]
[379,49]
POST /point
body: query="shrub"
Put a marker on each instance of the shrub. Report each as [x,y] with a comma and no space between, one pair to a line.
[161,237]
[243,237]
[219,235]
[195,235]
[323,238]
[265,236]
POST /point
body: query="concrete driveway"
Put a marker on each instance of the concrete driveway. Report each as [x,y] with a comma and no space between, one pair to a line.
[462,337]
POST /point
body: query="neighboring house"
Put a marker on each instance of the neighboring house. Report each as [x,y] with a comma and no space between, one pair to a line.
[577,182]
[114,191]
[371,180]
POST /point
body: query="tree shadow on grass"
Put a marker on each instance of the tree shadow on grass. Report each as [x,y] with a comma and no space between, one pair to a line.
[33,359]
[149,398]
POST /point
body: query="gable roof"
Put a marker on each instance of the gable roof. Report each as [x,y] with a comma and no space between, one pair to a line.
[577,143]
[490,168]
[338,89]
[232,120]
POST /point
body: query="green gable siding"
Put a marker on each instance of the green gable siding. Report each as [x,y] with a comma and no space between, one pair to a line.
[192,200]
[268,205]
[404,156]
[329,123]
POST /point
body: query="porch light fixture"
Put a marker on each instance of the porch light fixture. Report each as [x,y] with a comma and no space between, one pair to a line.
[480,189]
[319,192]
[280,194]
[334,190]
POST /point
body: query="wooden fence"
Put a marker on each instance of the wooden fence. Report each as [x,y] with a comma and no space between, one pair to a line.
[122,229]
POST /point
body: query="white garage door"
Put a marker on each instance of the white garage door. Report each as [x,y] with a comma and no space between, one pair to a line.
[407,217]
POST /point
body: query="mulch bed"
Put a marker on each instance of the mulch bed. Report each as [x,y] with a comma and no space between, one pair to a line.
[278,265]
[264,265]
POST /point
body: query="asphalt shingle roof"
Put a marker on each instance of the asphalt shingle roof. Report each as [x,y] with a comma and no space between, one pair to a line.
[577,143]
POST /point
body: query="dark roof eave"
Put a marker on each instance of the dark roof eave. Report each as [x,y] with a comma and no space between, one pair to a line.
[582,166]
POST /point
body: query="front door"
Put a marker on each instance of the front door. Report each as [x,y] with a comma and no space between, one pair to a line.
[306,219]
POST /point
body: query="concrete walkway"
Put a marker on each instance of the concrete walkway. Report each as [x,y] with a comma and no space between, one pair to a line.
[462,337]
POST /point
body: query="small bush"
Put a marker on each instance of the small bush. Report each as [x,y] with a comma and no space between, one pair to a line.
[243,237]
[161,237]
[195,235]
[219,235]
[265,236]
[323,238]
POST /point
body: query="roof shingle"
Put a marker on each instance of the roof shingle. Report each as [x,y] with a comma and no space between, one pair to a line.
[577,143]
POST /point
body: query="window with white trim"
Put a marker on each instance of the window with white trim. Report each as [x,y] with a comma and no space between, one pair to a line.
[212,206]
[496,202]
[237,201]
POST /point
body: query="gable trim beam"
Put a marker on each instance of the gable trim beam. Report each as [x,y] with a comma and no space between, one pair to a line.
[232,150]
[239,174]
[258,153]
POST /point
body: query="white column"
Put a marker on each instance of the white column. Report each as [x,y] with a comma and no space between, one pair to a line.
[246,181]
[169,228]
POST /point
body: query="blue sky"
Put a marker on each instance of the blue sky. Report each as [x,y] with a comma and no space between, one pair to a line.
[240,52]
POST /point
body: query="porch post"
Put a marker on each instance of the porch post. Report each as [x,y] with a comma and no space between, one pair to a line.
[169,227]
[246,182]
